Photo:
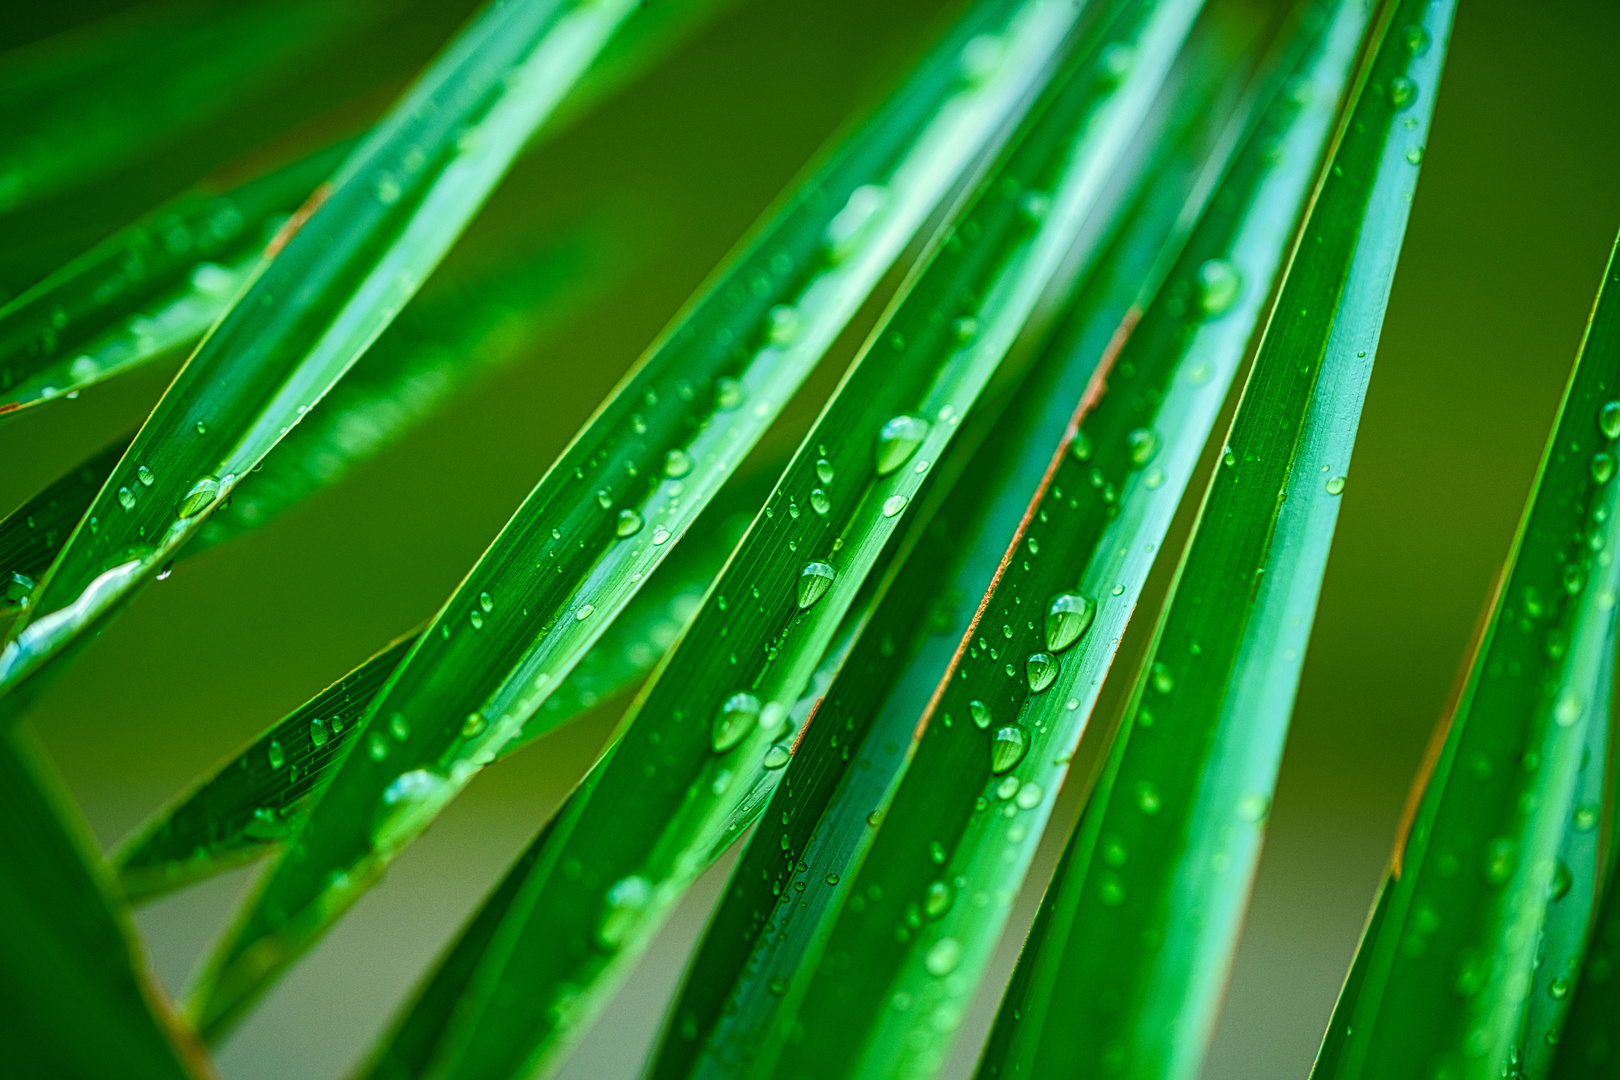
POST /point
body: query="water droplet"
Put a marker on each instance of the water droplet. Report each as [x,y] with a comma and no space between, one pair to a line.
[936,852]
[628,525]
[1500,858]
[819,502]
[785,324]
[1569,707]
[1609,420]
[1163,682]
[585,611]
[1143,445]
[126,498]
[145,475]
[677,464]
[202,428]
[1007,788]
[1334,486]
[1218,286]
[624,904]
[736,718]
[376,746]
[728,393]
[814,581]
[277,756]
[898,440]
[1068,617]
[1034,206]
[1041,668]
[893,505]
[1562,879]
[980,713]
[386,189]
[965,328]
[1154,478]
[473,726]
[1559,988]
[1081,446]
[943,957]
[477,619]
[399,726]
[1253,808]
[776,757]
[200,497]
[486,602]
[318,733]
[1586,817]
[824,470]
[1147,798]
[938,900]
[1402,91]
[1029,796]
[1602,467]
[660,535]
[849,226]
[1415,155]
[1007,749]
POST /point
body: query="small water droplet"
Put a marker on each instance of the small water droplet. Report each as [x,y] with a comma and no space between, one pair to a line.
[659,535]
[893,505]
[399,726]
[486,602]
[1609,420]
[1569,708]
[965,328]
[277,756]
[202,428]
[1143,445]
[1586,817]
[318,733]
[1081,446]
[1335,485]
[728,393]
[629,524]
[1402,91]
[677,464]
[814,581]
[1147,798]
[1602,467]
[1218,287]
[980,713]
[1163,682]
[476,618]
[1041,668]
[624,903]
[898,440]
[943,957]
[386,189]
[585,611]
[776,757]
[1559,988]
[785,324]
[126,499]
[473,726]
[824,470]
[1007,788]
[819,502]
[1414,156]
[1007,749]
[1562,879]
[1501,856]
[603,499]
[736,718]
[1029,796]
[376,746]
[1253,808]
[145,475]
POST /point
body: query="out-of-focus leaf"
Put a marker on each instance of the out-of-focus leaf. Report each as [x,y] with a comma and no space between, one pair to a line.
[256,799]
[737,1009]
[75,998]
[1493,886]
[707,739]
[635,478]
[1125,973]
[364,245]
[79,107]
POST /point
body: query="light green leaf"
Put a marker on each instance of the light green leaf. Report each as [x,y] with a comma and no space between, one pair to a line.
[632,482]
[75,997]
[1139,929]
[1494,885]
[707,739]
[370,238]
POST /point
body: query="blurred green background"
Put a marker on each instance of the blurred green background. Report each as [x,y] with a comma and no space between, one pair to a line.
[1517,206]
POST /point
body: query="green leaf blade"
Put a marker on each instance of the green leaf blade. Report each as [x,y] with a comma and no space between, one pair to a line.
[1138,932]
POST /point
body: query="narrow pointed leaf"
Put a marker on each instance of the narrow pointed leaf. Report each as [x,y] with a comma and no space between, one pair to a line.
[1491,896]
[76,109]
[252,803]
[737,1008]
[75,998]
[369,239]
[706,740]
[1143,921]
[627,489]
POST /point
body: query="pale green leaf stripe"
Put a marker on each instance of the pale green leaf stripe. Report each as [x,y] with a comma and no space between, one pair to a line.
[1500,865]
[736,1007]
[393,210]
[75,998]
[1143,920]
[247,807]
[74,114]
[706,739]
[634,479]
[156,286]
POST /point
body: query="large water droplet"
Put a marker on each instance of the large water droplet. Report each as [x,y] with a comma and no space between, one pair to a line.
[1041,668]
[629,523]
[1218,287]
[200,497]
[734,721]
[814,581]
[943,957]
[1007,749]
[1068,617]
[1609,420]
[898,440]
